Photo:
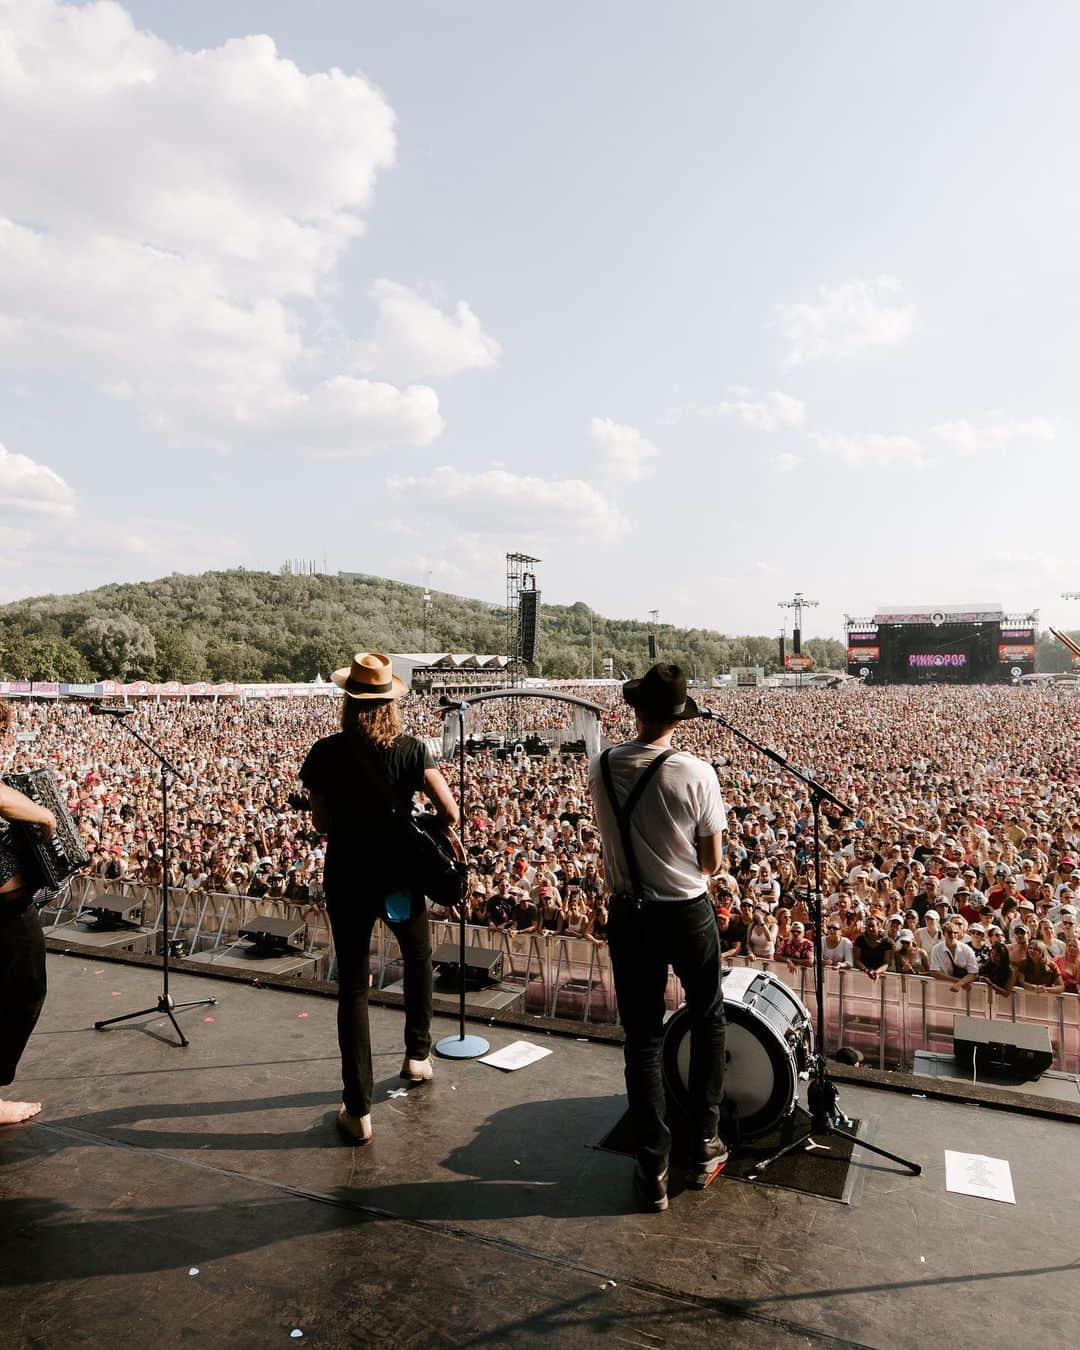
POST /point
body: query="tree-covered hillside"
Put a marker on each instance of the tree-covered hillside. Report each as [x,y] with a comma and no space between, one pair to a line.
[241,625]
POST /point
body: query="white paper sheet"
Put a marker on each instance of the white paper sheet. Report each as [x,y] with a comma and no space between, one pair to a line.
[516,1055]
[975,1174]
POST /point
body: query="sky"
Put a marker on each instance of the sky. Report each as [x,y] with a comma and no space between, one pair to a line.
[703,304]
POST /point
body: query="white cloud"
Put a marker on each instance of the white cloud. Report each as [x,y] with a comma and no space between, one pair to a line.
[967,439]
[414,339]
[764,414]
[495,501]
[872,449]
[347,416]
[845,320]
[26,486]
[622,453]
[230,155]
[785,462]
[178,215]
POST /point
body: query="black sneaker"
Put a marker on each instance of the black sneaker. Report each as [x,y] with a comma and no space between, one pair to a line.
[712,1154]
[650,1190]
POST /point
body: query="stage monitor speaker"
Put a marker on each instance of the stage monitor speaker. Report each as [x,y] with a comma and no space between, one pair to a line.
[652,647]
[275,937]
[1014,1050]
[529,613]
[482,965]
[115,912]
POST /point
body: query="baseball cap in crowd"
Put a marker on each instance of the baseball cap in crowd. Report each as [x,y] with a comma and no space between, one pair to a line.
[1026,904]
[905,935]
[976,928]
[661,693]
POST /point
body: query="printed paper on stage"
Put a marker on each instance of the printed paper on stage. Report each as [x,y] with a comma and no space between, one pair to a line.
[516,1055]
[975,1174]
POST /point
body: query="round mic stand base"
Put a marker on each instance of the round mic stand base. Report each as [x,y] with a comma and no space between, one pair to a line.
[461,1047]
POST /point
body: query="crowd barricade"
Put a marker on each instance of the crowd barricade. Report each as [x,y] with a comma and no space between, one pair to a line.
[198,922]
[570,979]
[891,1018]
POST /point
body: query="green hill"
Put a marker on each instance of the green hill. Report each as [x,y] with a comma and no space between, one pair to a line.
[241,625]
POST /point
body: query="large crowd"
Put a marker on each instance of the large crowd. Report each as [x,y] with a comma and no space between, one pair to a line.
[958,857]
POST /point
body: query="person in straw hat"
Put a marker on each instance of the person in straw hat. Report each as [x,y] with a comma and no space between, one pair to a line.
[353,778]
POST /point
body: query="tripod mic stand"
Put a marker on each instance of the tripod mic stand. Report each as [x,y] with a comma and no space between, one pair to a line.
[822,1097]
[461,1046]
[165,1003]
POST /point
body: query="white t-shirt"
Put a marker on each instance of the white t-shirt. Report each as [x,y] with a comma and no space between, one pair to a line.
[960,961]
[680,804]
[841,954]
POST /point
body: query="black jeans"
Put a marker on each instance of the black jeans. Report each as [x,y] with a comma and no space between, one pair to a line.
[682,934]
[352,927]
[22,979]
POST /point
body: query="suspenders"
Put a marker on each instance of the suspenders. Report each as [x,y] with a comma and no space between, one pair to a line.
[623,814]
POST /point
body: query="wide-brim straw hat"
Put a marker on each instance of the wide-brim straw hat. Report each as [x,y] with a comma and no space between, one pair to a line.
[371,676]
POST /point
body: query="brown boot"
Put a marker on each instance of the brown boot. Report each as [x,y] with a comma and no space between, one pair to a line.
[417,1070]
[355,1129]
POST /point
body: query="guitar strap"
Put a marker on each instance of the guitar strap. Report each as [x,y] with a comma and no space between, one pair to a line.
[624,812]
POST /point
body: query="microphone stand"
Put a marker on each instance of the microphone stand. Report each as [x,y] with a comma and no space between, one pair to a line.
[165,1003]
[822,1097]
[461,1046]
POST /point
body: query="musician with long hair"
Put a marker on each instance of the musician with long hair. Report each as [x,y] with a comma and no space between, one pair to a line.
[22,943]
[359,780]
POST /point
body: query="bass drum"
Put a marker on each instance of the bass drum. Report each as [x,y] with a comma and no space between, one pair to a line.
[768,1046]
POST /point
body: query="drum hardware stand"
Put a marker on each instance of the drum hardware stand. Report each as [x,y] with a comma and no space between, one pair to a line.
[461,1046]
[822,1095]
[165,1003]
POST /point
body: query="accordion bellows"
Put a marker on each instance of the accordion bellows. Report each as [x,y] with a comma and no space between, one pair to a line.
[46,865]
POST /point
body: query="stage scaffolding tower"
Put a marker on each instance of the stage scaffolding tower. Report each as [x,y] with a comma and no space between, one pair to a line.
[520,576]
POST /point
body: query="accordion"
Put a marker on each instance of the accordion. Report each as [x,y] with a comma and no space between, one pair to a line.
[45,864]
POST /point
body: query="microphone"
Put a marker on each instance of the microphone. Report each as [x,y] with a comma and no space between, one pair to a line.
[447,702]
[103,710]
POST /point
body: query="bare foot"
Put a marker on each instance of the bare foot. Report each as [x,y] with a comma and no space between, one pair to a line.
[11,1113]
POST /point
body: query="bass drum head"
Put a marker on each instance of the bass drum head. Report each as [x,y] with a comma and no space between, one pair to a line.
[760,1078]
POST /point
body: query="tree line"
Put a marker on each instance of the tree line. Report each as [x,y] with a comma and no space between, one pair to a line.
[242,625]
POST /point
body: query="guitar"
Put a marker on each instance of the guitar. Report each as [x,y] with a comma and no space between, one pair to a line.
[435,850]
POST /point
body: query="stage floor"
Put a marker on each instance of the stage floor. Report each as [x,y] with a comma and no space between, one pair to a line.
[482,1215]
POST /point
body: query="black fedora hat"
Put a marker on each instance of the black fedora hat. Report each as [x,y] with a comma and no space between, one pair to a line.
[661,694]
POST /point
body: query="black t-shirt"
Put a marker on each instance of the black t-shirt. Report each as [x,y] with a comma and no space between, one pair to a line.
[921,904]
[360,783]
[525,915]
[735,932]
[873,955]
